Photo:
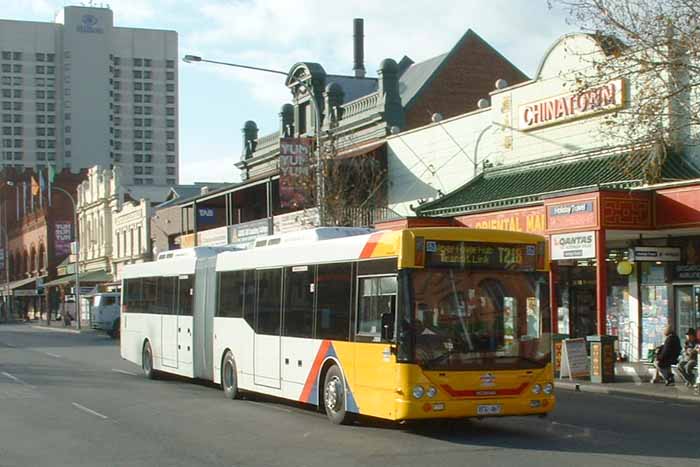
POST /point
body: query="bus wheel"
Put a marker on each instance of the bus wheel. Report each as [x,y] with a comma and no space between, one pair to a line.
[334,396]
[229,377]
[147,361]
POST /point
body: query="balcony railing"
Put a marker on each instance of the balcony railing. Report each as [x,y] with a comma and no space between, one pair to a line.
[358,106]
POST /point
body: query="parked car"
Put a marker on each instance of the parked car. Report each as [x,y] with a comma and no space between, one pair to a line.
[105,310]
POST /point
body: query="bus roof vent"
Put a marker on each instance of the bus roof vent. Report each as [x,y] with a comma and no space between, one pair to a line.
[196,252]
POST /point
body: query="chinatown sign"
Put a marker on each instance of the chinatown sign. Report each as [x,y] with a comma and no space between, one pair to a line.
[571,106]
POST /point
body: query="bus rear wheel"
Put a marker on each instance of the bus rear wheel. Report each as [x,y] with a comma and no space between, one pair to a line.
[147,361]
[229,377]
[334,397]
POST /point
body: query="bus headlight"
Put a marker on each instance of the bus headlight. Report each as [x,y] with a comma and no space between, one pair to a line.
[536,389]
[432,392]
[548,388]
[418,391]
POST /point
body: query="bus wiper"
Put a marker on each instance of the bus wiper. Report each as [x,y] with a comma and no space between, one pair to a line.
[441,357]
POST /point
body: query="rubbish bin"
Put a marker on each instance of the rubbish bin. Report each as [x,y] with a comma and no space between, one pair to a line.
[602,358]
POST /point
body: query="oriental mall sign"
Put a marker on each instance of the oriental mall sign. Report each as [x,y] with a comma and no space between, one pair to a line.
[566,107]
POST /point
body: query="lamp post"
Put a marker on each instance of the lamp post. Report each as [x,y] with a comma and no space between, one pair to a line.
[6,243]
[77,250]
[320,188]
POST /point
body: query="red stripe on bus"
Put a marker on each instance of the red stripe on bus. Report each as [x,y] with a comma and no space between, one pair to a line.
[483,392]
[370,246]
[313,374]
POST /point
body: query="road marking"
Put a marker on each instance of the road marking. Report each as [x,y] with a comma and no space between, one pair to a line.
[15,379]
[124,372]
[52,355]
[90,411]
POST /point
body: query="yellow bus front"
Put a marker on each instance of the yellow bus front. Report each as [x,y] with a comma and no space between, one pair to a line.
[470,336]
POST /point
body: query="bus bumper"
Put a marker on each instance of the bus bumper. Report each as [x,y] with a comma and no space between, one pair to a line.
[407,409]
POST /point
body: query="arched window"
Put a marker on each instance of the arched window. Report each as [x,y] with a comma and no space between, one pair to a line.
[42,258]
[32,260]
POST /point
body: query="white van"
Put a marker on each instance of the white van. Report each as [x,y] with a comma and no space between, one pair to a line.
[105,308]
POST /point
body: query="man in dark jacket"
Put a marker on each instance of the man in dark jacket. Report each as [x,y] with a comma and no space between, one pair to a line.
[668,355]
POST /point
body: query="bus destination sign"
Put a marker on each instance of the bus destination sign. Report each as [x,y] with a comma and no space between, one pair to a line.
[505,256]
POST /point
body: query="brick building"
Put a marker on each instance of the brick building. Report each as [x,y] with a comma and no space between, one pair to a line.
[39,231]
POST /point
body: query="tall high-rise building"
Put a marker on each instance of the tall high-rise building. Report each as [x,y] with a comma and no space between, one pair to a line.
[81,92]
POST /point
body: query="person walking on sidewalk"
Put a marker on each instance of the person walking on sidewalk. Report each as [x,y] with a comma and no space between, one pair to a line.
[689,360]
[667,356]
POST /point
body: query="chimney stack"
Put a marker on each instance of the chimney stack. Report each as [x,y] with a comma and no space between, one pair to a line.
[359,47]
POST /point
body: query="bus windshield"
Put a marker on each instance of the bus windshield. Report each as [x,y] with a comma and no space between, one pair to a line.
[468,319]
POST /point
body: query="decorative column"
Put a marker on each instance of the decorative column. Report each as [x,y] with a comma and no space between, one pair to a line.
[601,281]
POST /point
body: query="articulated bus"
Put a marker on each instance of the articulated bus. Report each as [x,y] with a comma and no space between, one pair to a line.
[410,324]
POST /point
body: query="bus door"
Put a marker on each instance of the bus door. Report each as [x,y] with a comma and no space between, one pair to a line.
[185,325]
[167,310]
[268,318]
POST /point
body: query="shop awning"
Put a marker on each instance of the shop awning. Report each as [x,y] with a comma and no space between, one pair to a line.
[522,184]
[360,150]
[85,277]
[28,285]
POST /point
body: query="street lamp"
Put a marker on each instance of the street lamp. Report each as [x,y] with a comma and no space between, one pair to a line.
[77,250]
[317,118]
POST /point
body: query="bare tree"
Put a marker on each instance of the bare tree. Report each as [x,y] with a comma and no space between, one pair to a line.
[655,46]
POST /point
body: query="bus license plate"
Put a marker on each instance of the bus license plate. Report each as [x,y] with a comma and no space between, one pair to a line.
[488,409]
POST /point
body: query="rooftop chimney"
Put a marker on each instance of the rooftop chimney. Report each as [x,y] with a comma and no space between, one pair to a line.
[359,47]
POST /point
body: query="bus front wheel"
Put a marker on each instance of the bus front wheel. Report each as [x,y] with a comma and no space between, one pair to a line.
[229,377]
[334,396]
[147,361]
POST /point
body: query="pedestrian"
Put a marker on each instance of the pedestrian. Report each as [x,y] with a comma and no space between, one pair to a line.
[689,358]
[667,356]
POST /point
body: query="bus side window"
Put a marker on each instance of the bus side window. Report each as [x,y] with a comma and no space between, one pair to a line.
[299,301]
[333,294]
[149,297]
[377,296]
[249,298]
[185,296]
[231,293]
[166,296]
[269,301]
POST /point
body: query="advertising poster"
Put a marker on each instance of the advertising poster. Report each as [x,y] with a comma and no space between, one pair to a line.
[295,172]
[62,240]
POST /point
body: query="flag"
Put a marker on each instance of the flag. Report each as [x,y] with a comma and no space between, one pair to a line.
[36,190]
[24,198]
[42,186]
[51,177]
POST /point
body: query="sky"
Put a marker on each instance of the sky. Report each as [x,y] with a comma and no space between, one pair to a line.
[215,101]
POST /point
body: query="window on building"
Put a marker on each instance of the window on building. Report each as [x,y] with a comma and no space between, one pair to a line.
[40,94]
[137,62]
[148,86]
[17,106]
[138,134]
[117,157]
[148,122]
[18,143]
[117,61]
[148,181]
[147,62]
[51,156]
[17,68]
[18,156]
[148,170]
[50,107]
[6,80]
[170,134]
[17,131]
[51,132]
[148,98]
[138,170]
[40,107]
[6,68]
[148,146]
[170,87]
[138,122]
[148,110]
[41,156]
[50,94]
[117,73]
[17,118]
[170,75]
[148,157]
[117,133]
[170,99]
[147,74]
[7,105]
[51,58]
[41,144]
[40,57]
[50,119]
[51,144]
[138,110]
[138,146]
[117,97]
[51,70]
[40,131]
[138,86]
[17,81]
[6,55]
[138,157]
[137,74]
[40,69]
[40,119]
[16,55]
[6,118]
[148,134]
[138,98]
[7,130]
[171,181]
[67,129]
[170,146]
[169,111]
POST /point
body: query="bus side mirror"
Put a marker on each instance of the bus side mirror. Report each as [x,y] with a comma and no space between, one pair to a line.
[387,326]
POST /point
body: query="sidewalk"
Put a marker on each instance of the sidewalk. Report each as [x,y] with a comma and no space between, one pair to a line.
[634,379]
